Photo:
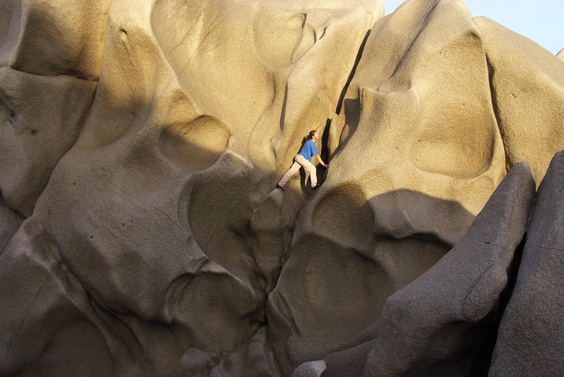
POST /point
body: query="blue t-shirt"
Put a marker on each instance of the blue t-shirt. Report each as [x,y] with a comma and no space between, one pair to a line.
[309,150]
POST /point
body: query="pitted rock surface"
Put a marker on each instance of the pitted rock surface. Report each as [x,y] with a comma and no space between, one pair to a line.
[141,231]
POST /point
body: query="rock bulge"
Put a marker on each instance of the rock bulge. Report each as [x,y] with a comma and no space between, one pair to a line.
[141,233]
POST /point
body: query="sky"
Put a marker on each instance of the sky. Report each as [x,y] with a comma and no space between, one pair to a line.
[539,20]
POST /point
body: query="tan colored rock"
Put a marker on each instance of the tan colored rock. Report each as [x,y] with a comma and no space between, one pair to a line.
[42,117]
[53,37]
[49,321]
[410,173]
[417,151]
[50,53]
[140,145]
[526,83]
[181,125]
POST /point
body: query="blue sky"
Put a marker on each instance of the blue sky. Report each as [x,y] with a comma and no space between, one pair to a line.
[539,20]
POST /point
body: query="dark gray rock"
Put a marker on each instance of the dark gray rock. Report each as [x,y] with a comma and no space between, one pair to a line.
[310,369]
[531,335]
[348,363]
[437,325]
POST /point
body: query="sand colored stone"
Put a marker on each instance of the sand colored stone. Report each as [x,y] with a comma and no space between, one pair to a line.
[141,233]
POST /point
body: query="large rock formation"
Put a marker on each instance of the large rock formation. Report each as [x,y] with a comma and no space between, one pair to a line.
[141,233]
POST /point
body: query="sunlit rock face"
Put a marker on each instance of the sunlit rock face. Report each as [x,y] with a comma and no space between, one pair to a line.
[141,233]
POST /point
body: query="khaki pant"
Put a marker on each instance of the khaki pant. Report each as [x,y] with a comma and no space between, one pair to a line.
[300,160]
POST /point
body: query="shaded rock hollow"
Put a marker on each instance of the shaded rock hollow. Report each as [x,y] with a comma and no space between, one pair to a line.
[142,234]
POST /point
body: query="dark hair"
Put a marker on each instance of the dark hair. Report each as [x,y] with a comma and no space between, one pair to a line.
[311,134]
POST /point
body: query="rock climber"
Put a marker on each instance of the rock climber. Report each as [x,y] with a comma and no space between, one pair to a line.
[303,159]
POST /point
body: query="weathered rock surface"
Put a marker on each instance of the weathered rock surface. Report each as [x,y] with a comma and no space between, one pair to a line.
[140,230]
[531,339]
[440,324]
